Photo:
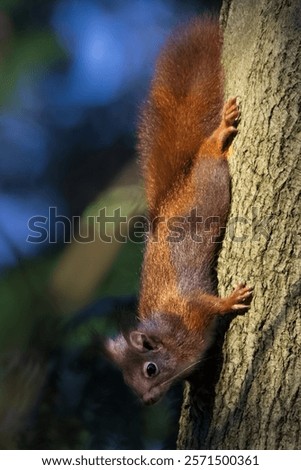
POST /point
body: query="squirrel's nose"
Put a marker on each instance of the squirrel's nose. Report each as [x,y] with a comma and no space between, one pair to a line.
[150,399]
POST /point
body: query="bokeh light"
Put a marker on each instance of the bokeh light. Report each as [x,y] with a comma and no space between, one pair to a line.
[88,98]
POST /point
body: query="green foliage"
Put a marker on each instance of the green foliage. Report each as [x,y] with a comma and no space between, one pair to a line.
[23,299]
[28,55]
[9,5]
[123,277]
[130,199]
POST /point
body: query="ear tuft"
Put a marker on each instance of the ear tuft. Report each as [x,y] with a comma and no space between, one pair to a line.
[110,351]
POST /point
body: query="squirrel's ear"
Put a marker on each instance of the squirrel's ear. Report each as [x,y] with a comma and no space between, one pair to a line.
[143,342]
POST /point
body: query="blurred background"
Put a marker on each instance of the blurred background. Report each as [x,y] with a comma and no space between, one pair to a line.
[73,76]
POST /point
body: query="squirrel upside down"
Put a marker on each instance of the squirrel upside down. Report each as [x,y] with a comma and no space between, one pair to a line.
[184,137]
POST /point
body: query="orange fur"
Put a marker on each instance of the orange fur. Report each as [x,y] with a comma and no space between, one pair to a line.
[184,133]
[184,107]
[184,137]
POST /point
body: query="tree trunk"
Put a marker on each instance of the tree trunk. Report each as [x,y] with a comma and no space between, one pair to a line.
[257,399]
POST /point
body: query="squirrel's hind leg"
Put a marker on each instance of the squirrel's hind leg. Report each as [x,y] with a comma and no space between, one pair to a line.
[217,145]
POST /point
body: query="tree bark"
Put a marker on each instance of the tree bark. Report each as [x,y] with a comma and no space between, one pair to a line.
[256,403]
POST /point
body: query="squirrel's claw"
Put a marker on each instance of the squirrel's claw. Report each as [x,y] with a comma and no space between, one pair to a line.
[241,297]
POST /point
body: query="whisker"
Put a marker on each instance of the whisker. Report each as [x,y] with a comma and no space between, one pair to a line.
[182,372]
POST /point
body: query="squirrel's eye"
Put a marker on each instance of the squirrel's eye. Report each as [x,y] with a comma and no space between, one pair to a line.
[151,369]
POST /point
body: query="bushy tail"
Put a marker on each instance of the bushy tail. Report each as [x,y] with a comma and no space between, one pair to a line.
[184,106]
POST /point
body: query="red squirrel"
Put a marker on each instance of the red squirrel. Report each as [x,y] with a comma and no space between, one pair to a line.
[183,140]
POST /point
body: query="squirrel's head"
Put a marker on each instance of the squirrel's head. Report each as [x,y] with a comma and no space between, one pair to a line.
[152,357]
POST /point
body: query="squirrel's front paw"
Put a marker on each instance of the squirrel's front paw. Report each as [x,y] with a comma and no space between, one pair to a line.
[240,298]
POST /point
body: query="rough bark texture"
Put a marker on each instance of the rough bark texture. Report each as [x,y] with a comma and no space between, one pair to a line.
[257,402]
